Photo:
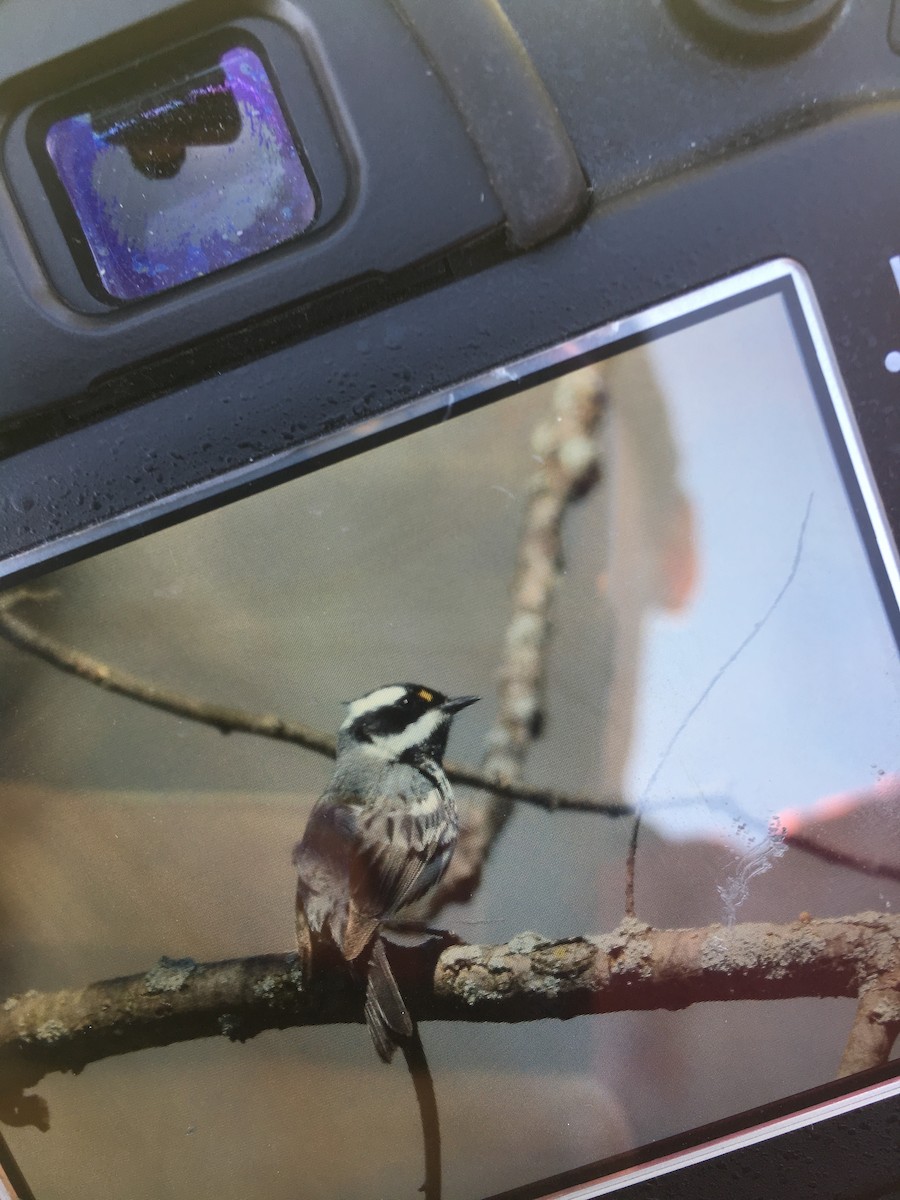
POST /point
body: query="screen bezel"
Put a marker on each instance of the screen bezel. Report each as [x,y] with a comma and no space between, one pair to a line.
[697,1147]
[779,276]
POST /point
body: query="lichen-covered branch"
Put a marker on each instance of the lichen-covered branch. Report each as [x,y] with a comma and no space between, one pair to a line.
[876,1026]
[566,447]
[526,979]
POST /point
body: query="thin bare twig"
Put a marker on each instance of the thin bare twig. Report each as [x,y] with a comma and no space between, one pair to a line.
[630,860]
[843,858]
[22,634]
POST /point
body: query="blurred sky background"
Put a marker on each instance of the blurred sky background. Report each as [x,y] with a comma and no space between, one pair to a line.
[812,705]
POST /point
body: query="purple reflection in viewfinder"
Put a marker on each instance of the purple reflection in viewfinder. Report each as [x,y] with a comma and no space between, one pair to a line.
[184,180]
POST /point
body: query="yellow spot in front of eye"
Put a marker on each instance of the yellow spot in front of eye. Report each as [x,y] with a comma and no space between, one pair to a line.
[425,695]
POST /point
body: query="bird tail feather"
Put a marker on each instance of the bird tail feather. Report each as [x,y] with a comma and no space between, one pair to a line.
[386,1015]
[304,936]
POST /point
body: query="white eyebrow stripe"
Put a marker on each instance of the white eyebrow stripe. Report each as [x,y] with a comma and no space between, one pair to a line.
[381,698]
[392,745]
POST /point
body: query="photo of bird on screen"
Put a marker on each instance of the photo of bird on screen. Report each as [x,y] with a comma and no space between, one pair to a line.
[379,838]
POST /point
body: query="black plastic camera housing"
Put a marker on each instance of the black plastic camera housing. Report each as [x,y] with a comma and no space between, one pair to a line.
[489,182]
[615,158]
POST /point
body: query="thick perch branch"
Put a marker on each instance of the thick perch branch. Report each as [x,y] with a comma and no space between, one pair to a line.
[526,979]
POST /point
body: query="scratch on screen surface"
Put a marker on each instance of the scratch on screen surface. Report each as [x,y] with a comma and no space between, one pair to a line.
[735,655]
[755,861]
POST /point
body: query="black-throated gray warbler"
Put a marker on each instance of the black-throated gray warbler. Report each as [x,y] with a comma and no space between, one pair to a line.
[379,837]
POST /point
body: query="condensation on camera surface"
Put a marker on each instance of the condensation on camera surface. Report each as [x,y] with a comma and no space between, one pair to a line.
[182,181]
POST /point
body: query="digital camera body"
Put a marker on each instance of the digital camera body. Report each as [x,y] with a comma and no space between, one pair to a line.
[476,189]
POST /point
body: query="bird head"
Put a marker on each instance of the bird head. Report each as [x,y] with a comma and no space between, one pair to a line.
[401,721]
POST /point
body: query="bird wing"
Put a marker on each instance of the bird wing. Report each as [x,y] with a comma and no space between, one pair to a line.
[401,849]
[322,858]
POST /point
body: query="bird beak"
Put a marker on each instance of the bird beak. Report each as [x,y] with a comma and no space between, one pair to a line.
[453,706]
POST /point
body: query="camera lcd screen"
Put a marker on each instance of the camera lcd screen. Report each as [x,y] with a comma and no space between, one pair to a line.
[656,556]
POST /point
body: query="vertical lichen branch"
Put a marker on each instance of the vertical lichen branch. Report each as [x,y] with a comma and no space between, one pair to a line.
[566,446]
[567,450]
[876,1026]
